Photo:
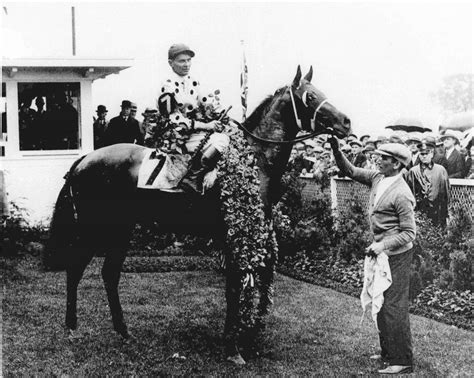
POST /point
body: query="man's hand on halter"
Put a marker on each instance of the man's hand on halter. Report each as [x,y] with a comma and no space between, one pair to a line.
[334,142]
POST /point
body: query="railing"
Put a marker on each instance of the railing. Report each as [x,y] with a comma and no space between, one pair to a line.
[343,190]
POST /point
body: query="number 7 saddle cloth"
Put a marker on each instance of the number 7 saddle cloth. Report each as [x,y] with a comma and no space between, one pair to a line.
[162,171]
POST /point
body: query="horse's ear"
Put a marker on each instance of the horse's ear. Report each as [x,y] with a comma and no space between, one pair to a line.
[309,75]
[297,79]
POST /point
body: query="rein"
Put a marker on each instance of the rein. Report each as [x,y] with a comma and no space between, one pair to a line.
[298,123]
[274,141]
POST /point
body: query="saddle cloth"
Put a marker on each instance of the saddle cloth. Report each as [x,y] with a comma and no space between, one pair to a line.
[162,171]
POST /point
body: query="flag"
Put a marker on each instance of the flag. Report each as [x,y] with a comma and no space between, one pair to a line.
[244,84]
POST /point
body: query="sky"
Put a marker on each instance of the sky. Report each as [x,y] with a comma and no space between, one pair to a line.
[375,61]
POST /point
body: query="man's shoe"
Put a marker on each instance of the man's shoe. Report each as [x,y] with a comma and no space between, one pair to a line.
[396,369]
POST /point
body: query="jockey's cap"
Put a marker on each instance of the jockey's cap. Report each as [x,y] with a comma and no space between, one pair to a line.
[179,48]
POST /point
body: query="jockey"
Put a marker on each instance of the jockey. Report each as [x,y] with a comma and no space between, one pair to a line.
[181,89]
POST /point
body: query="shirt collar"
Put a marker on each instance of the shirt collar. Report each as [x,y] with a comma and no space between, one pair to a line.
[425,166]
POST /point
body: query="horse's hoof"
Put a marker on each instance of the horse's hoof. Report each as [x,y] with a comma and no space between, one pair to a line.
[236,359]
[127,337]
[71,334]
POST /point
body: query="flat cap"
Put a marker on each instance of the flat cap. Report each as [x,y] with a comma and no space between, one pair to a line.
[179,48]
[427,143]
[149,111]
[398,151]
[355,141]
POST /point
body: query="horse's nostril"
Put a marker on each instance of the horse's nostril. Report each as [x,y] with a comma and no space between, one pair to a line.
[347,122]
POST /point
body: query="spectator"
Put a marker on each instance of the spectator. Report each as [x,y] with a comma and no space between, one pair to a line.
[439,154]
[455,162]
[100,125]
[465,153]
[364,139]
[123,128]
[430,185]
[381,139]
[370,163]
[358,157]
[412,141]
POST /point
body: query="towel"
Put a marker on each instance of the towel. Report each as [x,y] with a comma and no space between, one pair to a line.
[377,279]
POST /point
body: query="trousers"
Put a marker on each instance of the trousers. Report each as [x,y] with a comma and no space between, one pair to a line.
[393,319]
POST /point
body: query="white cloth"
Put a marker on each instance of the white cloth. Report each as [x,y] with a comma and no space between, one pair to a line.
[377,279]
[383,185]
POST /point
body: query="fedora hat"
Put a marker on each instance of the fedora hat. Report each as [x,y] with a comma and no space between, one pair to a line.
[450,134]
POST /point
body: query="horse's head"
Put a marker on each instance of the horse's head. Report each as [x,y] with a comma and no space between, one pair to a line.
[312,109]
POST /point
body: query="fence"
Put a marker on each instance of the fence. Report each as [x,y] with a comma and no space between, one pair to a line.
[343,190]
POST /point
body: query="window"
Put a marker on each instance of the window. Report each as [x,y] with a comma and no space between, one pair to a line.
[48,116]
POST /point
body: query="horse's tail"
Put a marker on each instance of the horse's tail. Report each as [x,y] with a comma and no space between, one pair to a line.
[63,227]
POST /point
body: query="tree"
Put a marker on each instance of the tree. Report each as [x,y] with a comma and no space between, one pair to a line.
[456,94]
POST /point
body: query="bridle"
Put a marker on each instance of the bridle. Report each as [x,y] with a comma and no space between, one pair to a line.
[298,123]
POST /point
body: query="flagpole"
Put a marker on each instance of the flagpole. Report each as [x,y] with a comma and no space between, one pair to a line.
[73,15]
[243,83]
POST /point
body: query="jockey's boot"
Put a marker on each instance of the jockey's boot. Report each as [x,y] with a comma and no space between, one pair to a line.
[195,176]
[210,158]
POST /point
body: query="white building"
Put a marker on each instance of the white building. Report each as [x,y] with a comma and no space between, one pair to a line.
[37,148]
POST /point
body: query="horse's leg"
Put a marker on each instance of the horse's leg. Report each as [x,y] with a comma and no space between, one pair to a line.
[74,272]
[232,321]
[111,276]
[266,287]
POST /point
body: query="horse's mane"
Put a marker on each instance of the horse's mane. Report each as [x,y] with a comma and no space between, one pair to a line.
[253,120]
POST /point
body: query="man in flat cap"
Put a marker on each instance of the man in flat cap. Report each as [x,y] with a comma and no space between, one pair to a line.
[100,125]
[183,92]
[123,128]
[429,183]
[392,222]
[358,157]
[412,141]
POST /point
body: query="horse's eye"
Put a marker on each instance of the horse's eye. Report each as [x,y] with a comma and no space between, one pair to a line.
[304,98]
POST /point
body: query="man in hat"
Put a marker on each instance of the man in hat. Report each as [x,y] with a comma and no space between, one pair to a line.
[455,162]
[439,153]
[412,141]
[392,222]
[364,139]
[430,185]
[358,157]
[369,152]
[123,128]
[100,125]
[180,90]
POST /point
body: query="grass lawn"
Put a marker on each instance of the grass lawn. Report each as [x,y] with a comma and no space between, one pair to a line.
[311,331]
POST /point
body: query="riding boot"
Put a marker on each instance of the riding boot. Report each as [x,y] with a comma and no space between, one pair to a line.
[208,162]
[210,158]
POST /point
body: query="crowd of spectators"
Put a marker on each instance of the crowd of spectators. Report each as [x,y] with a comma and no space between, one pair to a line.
[452,150]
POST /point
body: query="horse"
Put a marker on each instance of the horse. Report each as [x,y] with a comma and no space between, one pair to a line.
[99,203]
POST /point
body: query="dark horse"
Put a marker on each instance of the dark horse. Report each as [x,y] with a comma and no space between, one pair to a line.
[100,204]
